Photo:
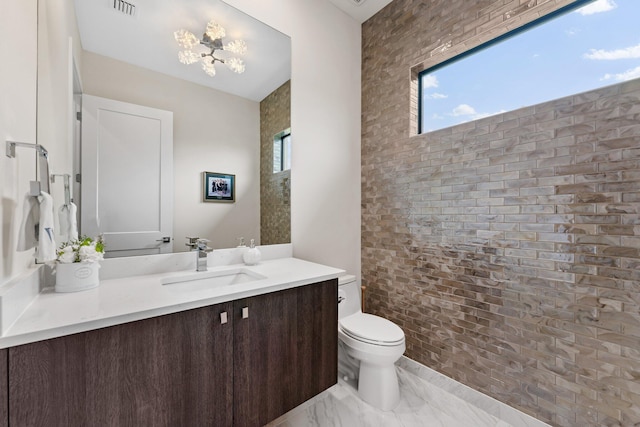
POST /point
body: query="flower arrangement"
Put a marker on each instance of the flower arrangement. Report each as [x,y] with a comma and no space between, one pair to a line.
[84,249]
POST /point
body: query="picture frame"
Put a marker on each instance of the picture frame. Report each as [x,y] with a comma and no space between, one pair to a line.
[218,187]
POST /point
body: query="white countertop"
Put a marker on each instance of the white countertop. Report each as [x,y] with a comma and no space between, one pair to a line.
[122,300]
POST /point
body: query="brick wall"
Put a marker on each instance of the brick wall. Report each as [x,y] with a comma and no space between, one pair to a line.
[508,249]
[275,188]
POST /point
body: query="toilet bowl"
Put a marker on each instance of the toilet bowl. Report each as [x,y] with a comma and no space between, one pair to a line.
[369,347]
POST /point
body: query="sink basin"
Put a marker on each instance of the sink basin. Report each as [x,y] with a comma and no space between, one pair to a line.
[212,279]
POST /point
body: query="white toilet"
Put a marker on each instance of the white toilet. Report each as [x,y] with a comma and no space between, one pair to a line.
[368,348]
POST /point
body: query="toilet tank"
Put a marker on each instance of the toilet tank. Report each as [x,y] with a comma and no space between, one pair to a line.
[349,295]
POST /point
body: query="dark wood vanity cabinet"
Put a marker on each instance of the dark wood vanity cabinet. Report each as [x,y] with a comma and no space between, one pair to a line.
[285,351]
[4,389]
[173,370]
[182,369]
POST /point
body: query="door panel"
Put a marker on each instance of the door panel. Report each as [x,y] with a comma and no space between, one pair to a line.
[127,176]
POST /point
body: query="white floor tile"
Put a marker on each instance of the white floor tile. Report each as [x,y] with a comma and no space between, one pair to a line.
[422,404]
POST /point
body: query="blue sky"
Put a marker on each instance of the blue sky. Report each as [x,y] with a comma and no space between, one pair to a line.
[594,46]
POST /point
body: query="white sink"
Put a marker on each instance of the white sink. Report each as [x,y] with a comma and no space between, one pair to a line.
[194,281]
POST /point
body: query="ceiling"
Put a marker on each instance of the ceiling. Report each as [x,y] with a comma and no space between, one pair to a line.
[360,10]
[146,40]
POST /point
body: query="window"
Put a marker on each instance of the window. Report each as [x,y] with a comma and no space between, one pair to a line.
[282,151]
[585,46]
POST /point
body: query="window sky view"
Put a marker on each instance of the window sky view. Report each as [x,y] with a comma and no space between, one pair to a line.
[594,46]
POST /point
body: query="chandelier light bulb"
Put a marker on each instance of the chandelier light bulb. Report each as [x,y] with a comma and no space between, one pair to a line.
[239,47]
[188,57]
[186,39]
[209,68]
[215,31]
[235,64]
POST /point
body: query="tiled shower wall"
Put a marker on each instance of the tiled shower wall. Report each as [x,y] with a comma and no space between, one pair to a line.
[508,249]
[275,188]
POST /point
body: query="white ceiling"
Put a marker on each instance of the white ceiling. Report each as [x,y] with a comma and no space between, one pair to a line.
[146,40]
[361,11]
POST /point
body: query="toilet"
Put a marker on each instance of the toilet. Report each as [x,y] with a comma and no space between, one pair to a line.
[368,348]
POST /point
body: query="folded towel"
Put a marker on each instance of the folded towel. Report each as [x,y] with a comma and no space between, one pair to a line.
[28,234]
[46,250]
[68,221]
[63,221]
[73,221]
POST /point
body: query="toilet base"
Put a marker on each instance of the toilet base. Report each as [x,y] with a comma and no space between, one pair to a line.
[378,386]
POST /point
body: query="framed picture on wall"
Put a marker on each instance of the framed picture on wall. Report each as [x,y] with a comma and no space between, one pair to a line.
[218,187]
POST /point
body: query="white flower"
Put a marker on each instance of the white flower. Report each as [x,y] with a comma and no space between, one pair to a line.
[89,253]
[84,249]
[67,255]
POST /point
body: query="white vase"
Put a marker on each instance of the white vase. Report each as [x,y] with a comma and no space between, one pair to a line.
[252,255]
[77,276]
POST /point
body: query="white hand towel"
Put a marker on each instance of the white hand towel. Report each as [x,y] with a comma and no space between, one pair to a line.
[28,235]
[46,250]
[63,220]
[73,221]
[67,216]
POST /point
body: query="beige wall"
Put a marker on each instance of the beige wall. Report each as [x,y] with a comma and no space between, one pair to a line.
[41,38]
[18,29]
[275,188]
[212,131]
[506,248]
[325,117]
[58,45]
[325,122]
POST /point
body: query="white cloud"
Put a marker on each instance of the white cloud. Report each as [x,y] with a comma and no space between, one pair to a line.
[436,95]
[626,53]
[463,110]
[430,80]
[469,113]
[633,73]
[598,6]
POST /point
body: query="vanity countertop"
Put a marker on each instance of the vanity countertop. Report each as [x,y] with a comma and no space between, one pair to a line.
[122,300]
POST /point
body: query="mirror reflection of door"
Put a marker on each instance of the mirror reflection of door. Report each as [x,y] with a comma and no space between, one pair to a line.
[127,176]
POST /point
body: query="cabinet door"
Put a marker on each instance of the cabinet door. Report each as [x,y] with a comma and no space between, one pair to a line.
[170,370]
[4,389]
[285,352]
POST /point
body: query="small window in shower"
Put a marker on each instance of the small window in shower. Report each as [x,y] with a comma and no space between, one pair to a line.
[282,151]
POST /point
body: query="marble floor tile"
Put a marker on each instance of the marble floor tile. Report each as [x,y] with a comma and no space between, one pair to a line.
[421,405]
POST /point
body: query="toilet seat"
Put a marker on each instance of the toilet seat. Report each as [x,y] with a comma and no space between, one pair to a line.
[371,329]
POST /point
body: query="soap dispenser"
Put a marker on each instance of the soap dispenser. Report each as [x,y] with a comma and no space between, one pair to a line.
[252,255]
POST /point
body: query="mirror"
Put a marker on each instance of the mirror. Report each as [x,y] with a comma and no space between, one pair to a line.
[224,124]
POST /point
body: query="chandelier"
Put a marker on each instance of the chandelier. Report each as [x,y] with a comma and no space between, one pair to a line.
[212,41]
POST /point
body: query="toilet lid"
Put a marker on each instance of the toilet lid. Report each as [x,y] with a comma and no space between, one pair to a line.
[372,329]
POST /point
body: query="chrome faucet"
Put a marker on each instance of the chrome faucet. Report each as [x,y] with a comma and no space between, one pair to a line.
[202,249]
[193,245]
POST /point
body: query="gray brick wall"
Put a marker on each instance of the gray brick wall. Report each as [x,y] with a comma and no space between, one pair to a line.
[508,248]
[275,189]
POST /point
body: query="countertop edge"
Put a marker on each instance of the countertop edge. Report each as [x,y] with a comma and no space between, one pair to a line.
[10,340]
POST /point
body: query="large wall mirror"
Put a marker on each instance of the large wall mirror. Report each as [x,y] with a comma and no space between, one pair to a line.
[124,53]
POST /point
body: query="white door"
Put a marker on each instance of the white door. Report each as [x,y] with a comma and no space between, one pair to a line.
[127,176]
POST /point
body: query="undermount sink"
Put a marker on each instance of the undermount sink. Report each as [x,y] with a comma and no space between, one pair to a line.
[212,279]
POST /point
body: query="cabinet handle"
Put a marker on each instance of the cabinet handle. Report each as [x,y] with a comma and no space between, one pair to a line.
[223,317]
[245,312]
